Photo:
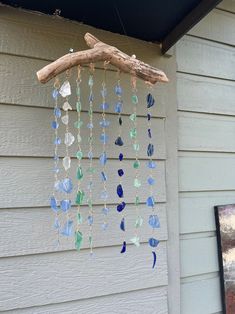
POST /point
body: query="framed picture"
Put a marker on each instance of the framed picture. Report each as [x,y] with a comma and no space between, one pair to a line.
[225,229]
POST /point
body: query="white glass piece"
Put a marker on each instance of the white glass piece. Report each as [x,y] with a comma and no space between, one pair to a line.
[69,139]
[65,89]
[67,106]
[66,162]
[65,119]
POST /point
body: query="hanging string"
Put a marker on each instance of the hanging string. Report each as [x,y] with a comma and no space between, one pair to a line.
[153,218]
[79,154]
[103,157]
[136,165]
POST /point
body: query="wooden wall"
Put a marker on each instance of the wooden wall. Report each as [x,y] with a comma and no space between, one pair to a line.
[206,112]
[35,277]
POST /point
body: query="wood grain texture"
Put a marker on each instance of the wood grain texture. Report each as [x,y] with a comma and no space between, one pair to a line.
[29,133]
[38,223]
[205,132]
[148,301]
[216,60]
[68,276]
[218,26]
[198,256]
[206,172]
[201,296]
[197,210]
[33,180]
[228,5]
[202,94]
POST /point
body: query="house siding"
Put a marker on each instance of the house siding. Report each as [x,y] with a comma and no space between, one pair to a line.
[206,113]
[35,276]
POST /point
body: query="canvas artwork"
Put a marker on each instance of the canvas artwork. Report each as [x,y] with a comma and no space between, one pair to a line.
[225,225]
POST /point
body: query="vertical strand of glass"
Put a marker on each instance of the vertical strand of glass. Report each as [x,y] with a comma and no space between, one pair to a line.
[103,157]
[153,218]
[91,169]
[136,165]
[119,142]
[79,154]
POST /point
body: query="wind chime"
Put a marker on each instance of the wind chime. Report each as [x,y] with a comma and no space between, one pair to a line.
[61,201]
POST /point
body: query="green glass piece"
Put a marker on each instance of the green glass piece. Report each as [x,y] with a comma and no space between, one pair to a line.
[91,170]
[134,99]
[78,240]
[136,147]
[133,133]
[89,202]
[79,218]
[139,222]
[137,183]
[79,154]
[90,81]
[133,117]
[90,240]
[78,106]
[90,112]
[78,124]
[80,197]
[90,139]
[79,173]
[137,200]
[136,241]
[136,164]
[78,91]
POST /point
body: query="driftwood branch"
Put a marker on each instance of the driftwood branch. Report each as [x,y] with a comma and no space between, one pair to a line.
[102,52]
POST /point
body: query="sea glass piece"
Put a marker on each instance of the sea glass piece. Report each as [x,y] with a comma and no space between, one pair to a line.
[149,133]
[57,141]
[151,164]
[150,100]
[65,119]
[123,250]
[120,172]
[132,117]
[78,124]
[148,116]
[66,185]
[120,156]
[103,159]
[105,210]
[136,241]
[67,106]
[134,99]
[54,125]
[151,181]
[55,93]
[56,169]
[118,90]
[137,183]
[57,223]
[104,123]
[56,157]
[104,195]
[79,155]
[90,220]
[57,112]
[104,226]
[122,224]
[78,106]
[91,170]
[137,200]
[118,107]
[79,197]
[153,242]
[78,239]
[65,205]
[66,162]
[121,206]
[90,155]
[119,141]
[90,81]
[65,89]
[104,106]
[136,147]
[53,204]
[91,98]
[120,120]
[103,92]
[150,150]
[120,190]
[136,164]
[104,138]
[79,218]
[90,125]
[138,222]
[67,230]
[154,259]
[133,133]
[154,221]
[103,176]
[79,138]
[79,173]
[69,139]
[150,201]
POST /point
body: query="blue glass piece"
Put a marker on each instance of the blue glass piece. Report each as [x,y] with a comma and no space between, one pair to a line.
[53,204]
[103,159]
[90,220]
[57,186]
[66,185]
[153,242]
[119,141]
[103,176]
[120,121]
[150,100]
[104,138]
[151,181]
[104,123]
[55,93]
[120,156]
[150,150]
[103,92]
[105,210]
[56,157]
[56,223]
[149,133]
[57,112]
[154,221]
[90,125]
[151,164]
[90,155]
[148,116]
[122,224]
[118,90]
[104,195]
[54,125]
[150,201]
[65,205]
[104,106]
[91,98]
[121,206]
[120,172]
[56,170]
[67,230]
[123,250]
[57,141]
[120,190]
[118,107]
[104,226]
[154,259]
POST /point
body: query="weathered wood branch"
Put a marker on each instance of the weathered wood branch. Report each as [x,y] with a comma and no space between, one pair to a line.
[102,52]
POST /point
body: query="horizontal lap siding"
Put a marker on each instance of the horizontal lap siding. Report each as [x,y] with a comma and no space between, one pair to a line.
[35,276]
[206,93]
